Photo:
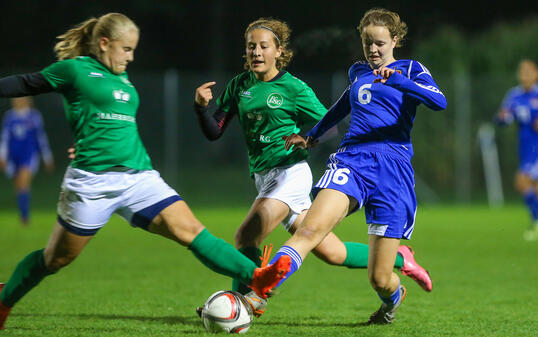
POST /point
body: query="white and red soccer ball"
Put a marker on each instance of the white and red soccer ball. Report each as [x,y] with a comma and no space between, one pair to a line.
[226,311]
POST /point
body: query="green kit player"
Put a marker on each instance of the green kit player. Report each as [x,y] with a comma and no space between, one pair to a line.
[111,172]
[271,103]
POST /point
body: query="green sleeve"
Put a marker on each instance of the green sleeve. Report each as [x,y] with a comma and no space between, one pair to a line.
[60,74]
[227,101]
[309,108]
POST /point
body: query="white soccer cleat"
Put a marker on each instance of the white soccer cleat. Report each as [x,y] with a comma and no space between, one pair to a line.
[257,303]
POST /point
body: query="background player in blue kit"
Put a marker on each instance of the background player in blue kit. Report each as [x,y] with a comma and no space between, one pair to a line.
[521,105]
[23,140]
[372,167]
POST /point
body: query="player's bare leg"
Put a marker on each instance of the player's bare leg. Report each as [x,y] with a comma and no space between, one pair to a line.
[264,216]
[384,281]
[328,209]
[177,222]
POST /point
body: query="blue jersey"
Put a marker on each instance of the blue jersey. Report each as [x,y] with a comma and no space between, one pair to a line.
[383,112]
[373,163]
[23,137]
[522,107]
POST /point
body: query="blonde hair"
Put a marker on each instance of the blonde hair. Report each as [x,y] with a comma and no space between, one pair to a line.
[83,39]
[385,18]
[281,32]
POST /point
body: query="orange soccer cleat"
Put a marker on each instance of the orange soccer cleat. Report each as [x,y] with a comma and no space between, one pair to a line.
[266,278]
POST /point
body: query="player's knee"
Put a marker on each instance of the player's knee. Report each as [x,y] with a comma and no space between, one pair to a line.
[310,233]
[380,282]
[250,233]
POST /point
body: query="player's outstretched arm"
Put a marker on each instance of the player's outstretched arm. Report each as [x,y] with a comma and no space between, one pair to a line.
[24,85]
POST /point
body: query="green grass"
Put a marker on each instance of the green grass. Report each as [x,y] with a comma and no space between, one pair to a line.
[130,283]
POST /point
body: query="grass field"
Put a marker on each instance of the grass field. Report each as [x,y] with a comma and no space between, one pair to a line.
[130,283]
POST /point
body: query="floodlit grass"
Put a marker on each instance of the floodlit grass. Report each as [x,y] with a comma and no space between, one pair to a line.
[131,283]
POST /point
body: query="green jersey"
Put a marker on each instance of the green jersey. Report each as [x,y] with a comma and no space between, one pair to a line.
[100,107]
[267,111]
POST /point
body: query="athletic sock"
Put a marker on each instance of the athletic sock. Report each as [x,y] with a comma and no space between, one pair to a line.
[23,202]
[393,298]
[357,256]
[254,254]
[28,273]
[296,261]
[534,208]
[222,257]
[531,202]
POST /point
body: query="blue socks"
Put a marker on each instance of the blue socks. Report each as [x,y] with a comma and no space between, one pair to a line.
[296,261]
[392,299]
[23,202]
[532,203]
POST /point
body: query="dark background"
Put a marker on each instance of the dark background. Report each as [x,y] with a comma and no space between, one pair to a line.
[472,49]
[208,35]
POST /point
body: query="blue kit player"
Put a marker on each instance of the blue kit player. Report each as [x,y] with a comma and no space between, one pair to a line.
[23,141]
[521,105]
[372,167]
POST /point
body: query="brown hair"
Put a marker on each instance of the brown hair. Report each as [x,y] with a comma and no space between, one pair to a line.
[281,32]
[385,18]
[83,39]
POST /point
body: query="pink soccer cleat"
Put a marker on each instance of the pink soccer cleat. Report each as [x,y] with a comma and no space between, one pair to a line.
[412,269]
[4,310]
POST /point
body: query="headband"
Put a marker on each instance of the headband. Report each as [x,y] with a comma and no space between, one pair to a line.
[267,28]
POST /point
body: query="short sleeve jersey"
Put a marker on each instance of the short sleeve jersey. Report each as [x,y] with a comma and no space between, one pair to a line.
[269,110]
[100,107]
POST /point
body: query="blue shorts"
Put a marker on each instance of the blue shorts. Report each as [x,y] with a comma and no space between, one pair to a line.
[530,168]
[17,162]
[382,182]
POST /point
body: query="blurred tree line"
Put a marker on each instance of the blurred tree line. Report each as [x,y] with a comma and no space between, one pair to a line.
[484,65]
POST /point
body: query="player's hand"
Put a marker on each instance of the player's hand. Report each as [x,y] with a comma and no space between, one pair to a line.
[71,153]
[204,94]
[294,140]
[49,166]
[384,73]
[535,125]
[298,141]
[504,115]
[3,165]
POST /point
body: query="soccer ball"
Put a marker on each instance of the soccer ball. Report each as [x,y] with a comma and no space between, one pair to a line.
[226,311]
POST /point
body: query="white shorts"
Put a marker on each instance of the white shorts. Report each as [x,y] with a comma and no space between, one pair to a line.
[88,199]
[290,184]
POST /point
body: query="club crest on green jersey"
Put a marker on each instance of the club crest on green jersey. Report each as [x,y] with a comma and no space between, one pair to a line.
[121,96]
[275,100]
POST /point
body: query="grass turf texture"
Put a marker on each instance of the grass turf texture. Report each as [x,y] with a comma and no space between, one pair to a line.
[131,283]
